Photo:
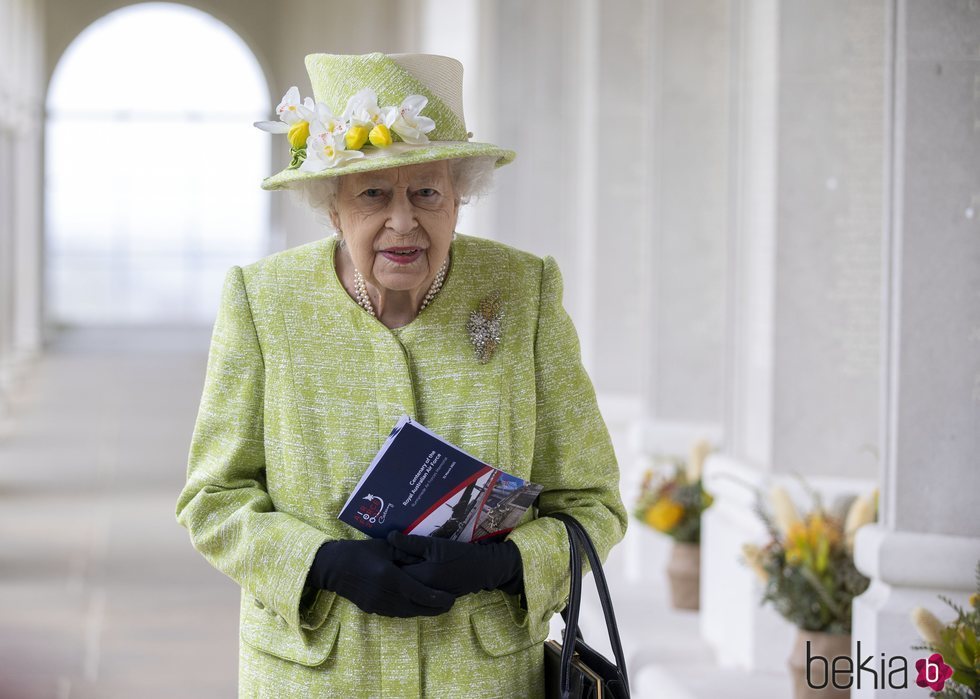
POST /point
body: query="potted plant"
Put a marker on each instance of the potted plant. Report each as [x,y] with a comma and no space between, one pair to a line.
[808,575]
[671,502]
[955,663]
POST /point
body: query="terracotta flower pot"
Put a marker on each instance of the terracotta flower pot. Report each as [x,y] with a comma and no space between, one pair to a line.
[823,648]
[684,574]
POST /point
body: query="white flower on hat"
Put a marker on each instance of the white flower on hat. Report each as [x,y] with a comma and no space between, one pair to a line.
[330,122]
[290,111]
[326,149]
[366,116]
[319,139]
[409,125]
[363,110]
[294,118]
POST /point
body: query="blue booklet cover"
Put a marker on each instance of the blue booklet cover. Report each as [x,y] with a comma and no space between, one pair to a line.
[418,483]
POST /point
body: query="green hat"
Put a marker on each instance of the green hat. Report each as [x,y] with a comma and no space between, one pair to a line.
[373,112]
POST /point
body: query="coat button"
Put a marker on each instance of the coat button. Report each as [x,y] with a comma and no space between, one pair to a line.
[259,604]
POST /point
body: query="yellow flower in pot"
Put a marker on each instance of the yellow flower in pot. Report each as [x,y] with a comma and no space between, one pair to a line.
[664,514]
[671,502]
[807,573]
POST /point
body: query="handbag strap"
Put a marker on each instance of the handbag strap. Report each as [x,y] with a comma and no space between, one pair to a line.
[578,536]
[605,599]
[571,621]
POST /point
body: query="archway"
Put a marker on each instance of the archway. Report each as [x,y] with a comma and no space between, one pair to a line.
[152,168]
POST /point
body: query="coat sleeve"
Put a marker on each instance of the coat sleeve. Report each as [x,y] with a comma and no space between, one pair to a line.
[573,459]
[224,505]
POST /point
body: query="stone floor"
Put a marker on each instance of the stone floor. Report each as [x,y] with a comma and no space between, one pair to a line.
[102,595]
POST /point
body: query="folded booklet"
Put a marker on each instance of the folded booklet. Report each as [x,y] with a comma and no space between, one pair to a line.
[418,483]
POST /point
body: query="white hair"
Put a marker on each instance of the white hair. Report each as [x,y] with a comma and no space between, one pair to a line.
[472,178]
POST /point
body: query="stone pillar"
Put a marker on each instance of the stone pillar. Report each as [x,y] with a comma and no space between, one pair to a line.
[928,541]
[28,186]
[7,88]
[20,190]
[683,254]
[802,379]
[6,266]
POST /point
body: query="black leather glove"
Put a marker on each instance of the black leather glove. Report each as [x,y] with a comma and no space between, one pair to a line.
[367,572]
[461,568]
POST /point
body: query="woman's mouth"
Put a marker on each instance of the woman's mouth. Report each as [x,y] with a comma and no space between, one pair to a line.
[402,256]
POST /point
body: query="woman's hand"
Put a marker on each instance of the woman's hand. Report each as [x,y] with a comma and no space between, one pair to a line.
[367,572]
[461,568]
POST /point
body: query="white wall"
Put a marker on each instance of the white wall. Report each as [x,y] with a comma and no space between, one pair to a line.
[21,104]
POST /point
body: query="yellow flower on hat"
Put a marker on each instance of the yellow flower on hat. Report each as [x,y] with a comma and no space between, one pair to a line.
[356,137]
[380,136]
[295,119]
[298,133]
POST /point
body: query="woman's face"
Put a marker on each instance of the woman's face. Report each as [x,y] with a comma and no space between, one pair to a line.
[413,206]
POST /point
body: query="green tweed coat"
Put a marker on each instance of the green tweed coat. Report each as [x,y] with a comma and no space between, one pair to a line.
[302,388]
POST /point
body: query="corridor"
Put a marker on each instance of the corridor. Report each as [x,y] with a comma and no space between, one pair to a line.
[767,221]
[101,593]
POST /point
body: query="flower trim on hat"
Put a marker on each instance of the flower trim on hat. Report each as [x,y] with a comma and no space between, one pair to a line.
[320,140]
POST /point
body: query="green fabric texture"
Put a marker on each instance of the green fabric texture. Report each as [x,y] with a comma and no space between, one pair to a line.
[302,388]
[337,78]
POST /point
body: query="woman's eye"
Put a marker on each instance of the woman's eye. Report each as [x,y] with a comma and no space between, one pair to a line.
[427,192]
[372,193]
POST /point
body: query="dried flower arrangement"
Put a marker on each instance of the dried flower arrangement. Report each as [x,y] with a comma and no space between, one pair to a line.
[672,502]
[958,644]
[807,567]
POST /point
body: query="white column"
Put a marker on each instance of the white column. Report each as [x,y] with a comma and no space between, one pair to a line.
[29,197]
[6,270]
[685,219]
[928,541]
[802,379]
[8,112]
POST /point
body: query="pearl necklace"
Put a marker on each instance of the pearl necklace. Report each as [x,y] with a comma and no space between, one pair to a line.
[364,301]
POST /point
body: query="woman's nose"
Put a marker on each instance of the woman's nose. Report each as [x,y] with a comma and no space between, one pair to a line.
[401,215]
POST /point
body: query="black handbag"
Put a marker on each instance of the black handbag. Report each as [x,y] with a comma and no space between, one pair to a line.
[573,669]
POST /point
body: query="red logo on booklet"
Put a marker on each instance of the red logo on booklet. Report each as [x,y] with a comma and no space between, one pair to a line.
[370,509]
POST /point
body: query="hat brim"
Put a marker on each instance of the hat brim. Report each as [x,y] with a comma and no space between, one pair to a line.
[396,155]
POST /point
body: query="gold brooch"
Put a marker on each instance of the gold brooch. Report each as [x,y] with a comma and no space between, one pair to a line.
[484,326]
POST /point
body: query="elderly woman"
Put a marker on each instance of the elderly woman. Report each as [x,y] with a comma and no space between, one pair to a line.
[318,350]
